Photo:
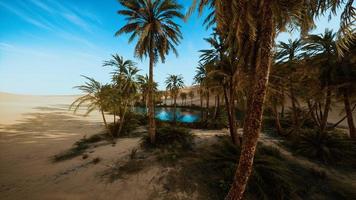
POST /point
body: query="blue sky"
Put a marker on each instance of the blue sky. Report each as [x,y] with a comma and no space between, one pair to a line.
[45,45]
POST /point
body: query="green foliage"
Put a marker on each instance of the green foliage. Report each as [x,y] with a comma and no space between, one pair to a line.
[329,148]
[273,177]
[270,179]
[131,122]
[170,137]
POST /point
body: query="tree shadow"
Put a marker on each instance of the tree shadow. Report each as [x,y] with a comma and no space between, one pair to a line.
[53,125]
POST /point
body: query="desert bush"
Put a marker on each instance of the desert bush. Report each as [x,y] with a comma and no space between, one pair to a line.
[330,147]
[271,176]
[131,122]
[170,137]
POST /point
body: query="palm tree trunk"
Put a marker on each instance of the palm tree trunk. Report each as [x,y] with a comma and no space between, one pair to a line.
[103,116]
[122,120]
[282,111]
[216,107]
[232,126]
[350,120]
[294,107]
[175,110]
[151,119]
[277,121]
[252,125]
[207,99]
[324,120]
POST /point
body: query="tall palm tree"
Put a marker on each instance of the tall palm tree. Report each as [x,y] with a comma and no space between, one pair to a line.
[200,78]
[290,54]
[143,82]
[183,96]
[151,22]
[128,82]
[191,96]
[252,27]
[95,98]
[324,51]
[346,81]
[222,70]
[173,84]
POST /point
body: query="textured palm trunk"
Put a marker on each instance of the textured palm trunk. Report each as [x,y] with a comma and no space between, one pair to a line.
[216,107]
[282,111]
[151,119]
[252,125]
[104,120]
[324,120]
[175,110]
[122,120]
[276,119]
[230,113]
[294,106]
[207,99]
[350,120]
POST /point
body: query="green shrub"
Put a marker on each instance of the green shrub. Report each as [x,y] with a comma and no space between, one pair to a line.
[329,148]
[130,124]
[170,138]
[270,179]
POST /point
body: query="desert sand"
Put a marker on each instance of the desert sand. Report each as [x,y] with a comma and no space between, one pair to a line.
[35,128]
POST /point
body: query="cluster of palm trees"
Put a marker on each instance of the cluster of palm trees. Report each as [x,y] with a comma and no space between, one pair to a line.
[241,57]
[312,75]
[118,97]
[248,29]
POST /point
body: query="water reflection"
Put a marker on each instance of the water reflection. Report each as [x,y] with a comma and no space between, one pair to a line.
[167,114]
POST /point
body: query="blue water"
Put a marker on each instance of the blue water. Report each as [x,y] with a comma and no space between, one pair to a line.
[167,114]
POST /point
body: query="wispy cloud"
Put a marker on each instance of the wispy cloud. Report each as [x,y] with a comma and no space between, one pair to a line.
[11,48]
[63,20]
[25,16]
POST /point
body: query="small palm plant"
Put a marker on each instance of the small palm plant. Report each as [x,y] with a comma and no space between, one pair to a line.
[95,98]
[173,84]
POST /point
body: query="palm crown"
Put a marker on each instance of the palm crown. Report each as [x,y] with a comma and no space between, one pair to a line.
[150,21]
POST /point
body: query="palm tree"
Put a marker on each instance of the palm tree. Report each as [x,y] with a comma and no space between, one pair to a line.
[173,84]
[183,96]
[289,54]
[151,22]
[95,98]
[323,49]
[252,27]
[200,79]
[165,94]
[191,96]
[129,84]
[220,64]
[119,63]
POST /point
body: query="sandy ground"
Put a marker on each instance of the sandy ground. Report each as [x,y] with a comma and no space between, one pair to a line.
[35,128]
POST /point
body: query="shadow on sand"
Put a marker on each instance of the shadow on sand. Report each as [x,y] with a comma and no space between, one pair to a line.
[53,124]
